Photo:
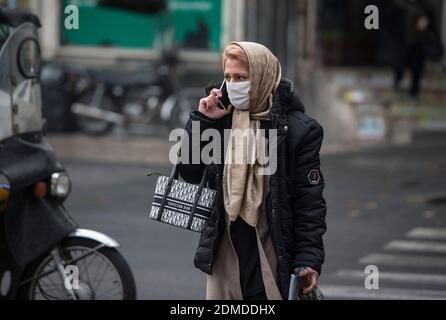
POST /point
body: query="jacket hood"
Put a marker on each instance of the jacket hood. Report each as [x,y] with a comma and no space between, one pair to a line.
[287,98]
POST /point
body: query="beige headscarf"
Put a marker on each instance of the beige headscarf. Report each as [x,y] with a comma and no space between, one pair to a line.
[243,186]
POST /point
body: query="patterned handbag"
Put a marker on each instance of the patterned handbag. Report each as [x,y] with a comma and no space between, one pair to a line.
[182,204]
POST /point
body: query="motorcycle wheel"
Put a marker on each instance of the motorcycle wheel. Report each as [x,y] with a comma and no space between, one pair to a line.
[91,126]
[103,274]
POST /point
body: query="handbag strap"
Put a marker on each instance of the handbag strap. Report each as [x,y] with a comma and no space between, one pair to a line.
[174,175]
[175,171]
[197,197]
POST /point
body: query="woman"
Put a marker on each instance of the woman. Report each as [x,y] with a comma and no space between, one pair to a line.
[264,227]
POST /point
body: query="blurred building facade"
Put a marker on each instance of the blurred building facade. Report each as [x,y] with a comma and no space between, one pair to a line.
[327,32]
[345,71]
[200,27]
[342,69]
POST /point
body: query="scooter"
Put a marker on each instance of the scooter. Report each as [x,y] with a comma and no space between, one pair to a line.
[105,98]
[44,255]
[110,98]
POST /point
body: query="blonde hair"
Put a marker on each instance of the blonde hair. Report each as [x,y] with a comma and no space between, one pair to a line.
[235,52]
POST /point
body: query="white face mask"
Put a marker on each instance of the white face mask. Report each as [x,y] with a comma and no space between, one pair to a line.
[238,93]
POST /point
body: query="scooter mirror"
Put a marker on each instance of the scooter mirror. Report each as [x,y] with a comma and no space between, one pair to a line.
[15,18]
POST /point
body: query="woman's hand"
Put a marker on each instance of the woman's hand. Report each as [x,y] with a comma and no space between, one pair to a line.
[208,106]
[309,279]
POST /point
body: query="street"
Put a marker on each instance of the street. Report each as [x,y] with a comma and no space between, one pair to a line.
[386,208]
[106,96]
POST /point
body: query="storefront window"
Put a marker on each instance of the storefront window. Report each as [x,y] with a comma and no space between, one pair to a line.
[192,24]
[344,40]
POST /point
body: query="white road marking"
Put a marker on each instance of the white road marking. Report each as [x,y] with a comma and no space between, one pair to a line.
[428,233]
[417,246]
[416,278]
[403,260]
[356,293]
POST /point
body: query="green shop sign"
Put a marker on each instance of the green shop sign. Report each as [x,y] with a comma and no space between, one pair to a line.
[193,24]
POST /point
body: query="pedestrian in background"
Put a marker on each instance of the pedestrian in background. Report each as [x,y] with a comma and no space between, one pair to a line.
[415,42]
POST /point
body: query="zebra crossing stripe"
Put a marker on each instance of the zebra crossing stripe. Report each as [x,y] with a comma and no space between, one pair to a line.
[428,233]
[416,278]
[357,293]
[403,260]
[418,246]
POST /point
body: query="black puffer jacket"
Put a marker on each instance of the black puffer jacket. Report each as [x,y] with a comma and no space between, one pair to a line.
[296,206]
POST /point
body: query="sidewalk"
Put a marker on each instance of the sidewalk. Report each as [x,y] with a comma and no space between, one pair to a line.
[358,106]
[110,149]
[152,151]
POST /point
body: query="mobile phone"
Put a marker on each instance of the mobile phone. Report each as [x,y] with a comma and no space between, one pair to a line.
[224,102]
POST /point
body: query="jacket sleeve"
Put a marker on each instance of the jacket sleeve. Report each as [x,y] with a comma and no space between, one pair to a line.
[189,171]
[309,205]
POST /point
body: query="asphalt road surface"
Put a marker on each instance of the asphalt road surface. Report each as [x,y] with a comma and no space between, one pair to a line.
[386,208]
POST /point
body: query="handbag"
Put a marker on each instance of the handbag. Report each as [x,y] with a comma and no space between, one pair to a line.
[181,204]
